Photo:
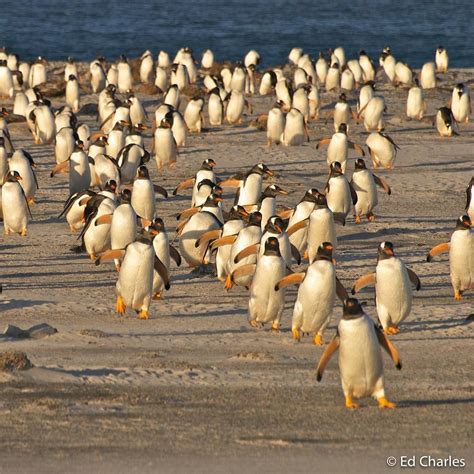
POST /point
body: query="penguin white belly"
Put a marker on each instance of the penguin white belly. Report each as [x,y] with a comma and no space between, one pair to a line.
[360,358]
[461,260]
[192,117]
[373,119]
[165,147]
[265,85]
[266,304]
[146,70]
[267,209]
[339,196]
[137,113]
[128,167]
[247,237]
[332,79]
[460,106]
[215,110]
[301,102]
[415,103]
[443,129]
[123,229]
[97,237]
[293,134]
[382,150]
[364,186]
[14,208]
[342,114]
[135,279]
[428,76]
[161,246]
[250,190]
[393,292]
[316,297]
[74,216]
[321,229]
[302,212]
[6,82]
[194,228]
[79,173]
[124,79]
[337,150]
[275,125]
[161,78]
[403,74]
[201,194]
[143,199]
[72,95]
[223,253]
[235,107]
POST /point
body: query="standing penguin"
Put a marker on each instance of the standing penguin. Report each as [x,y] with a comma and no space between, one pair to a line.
[339,192]
[70,68]
[367,65]
[267,83]
[267,202]
[193,114]
[445,122]
[393,293]
[125,78]
[461,103]
[316,295]
[461,256]
[428,76]
[14,205]
[364,183]
[146,68]
[72,93]
[321,68]
[373,114]
[403,74]
[416,105]
[296,130]
[382,149]
[40,120]
[98,76]
[333,78]
[284,92]
[342,113]
[365,94]
[275,124]
[64,143]
[7,88]
[441,59]
[360,359]
[470,200]
[235,107]
[207,60]
[300,101]
[215,107]
[164,145]
[23,163]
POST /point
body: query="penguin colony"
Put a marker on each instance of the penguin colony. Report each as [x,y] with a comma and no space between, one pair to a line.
[253,243]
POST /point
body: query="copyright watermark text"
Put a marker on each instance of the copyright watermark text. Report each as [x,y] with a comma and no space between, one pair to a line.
[425,461]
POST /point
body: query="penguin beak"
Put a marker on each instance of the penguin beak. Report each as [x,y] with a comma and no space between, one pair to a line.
[278,228]
[282,191]
[243,212]
[153,232]
[218,199]
[389,251]
[269,172]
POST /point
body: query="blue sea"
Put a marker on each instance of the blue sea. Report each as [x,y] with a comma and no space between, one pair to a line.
[84,29]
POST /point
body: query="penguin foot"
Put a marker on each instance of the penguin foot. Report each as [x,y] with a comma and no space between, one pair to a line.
[24,233]
[157,296]
[306,256]
[370,217]
[93,257]
[391,330]
[120,305]
[384,403]
[350,403]
[357,219]
[296,334]
[457,295]
[228,283]
[30,201]
[318,340]
[143,314]
[254,324]
[117,267]
[275,327]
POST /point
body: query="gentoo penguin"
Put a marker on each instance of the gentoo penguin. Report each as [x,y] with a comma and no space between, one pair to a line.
[275,124]
[393,293]
[4,132]
[339,145]
[235,107]
[199,223]
[388,62]
[72,93]
[340,55]
[116,138]
[284,92]
[16,211]
[129,158]
[267,83]
[461,103]
[382,149]
[38,73]
[20,104]
[207,60]
[360,358]
[403,73]
[40,121]
[74,209]
[239,76]
[22,162]
[333,78]
[314,102]
[146,68]
[267,202]
[461,256]
[137,112]
[164,145]
[226,75]
[105,168]
[178,128]
[348,82]
[321,68]
[275,227]
[441,59]
[416,104]
[125,79]
[7,88]
[98,76]
[307,65]
[364,183]
[250,186]
[193,114]
[3,160]
[70,68]
[445,122]
[354,66]
[164,60]
[266,304]
[365,94]
[342,113]
[428,76]
[187,60]
[373,114]
[64,142]
[367,65]
[470,200]
[300,101]
[205,172]
[294,55]
[172,97]
[300,77]
[316,295]
[295,131]
[339,192]
[179,76]
[215,107]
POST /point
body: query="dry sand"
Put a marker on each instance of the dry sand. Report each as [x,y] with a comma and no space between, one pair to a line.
[195,389]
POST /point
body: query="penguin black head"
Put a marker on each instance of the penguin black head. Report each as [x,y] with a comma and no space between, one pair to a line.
[446,115]
[215,90]
[352,309]
[237,213]
[13,177]
[206,182]
[213,200]
[142,172]
[336,168]
[279,104]
[387,50]
[157,226]
[310,195]
[101,141]
[321,201]
[343,98]
[385,251]
[273,190]
[2,141]
[70,60]
[255,218]
[261,169]
[166,122]
[440,49]
[324,251]
[362,53]
[360,164]
[342,128]
[126,195]
[78,145]
[460,88]
[123,58]
[111,185]
[272,247]
[275,225]
[463,223]
[111,88]
[208,164]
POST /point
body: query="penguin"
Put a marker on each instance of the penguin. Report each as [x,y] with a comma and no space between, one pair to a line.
[164,145]
[388,62]
[441,59]
[294,55]
[38,74]
[267,83]
[235,107]
[360,359]
[300,101]
[72,93]
[339,145]
[179,76]
[300,77]
[416,105]
[199,223]
[296,130]
[24,69]
[226,75]
[382,149]
[98,76]
[367,65]
[207,60]
[187,60]
[284,92]
[74,209]
[239,77]
[146,67]
[373,114]
[354,66]
[339,192]
[193,114]
[20,104]
[161,78]
[172,97]
[7,87]
[250,80]
[265,303]
[445,122]
[70,68]
[333,78]
[364,183]
[461,103]
[267,202]
[164,59]
[105,168]
[124,77]
[470,200]
[178,128]
[137,112]
[64,142]
[392,288]
[340,55]
[428,76]
[347,79]
[215,107]
[342,113]
[461,256]
[3,160]
[314,102]
[365,94]
[275,124]
[129,158]
[316,295]
[22,162]
[307,66]
[40,120]
[321,68]
[275,227]
[116,138]
[403,74]
[16,211]
[65,118]
[4,132]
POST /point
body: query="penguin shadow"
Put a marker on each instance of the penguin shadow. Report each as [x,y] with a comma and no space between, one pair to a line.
[442,165]
[88,372]
[185,151]
[19,304]
[206,314]
[242,129]
[378,233]
[435,325]
[421,403]
[241,330]
[64,285]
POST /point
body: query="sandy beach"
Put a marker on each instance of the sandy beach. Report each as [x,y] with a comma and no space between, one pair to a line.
[195,388]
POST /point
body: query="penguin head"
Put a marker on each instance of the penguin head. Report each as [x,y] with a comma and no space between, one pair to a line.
[72,77]
[206,182]
[123,59]
[208,164]
[311,195]
[324,251]
[262,169]
[102,141]
[272,247]
[275,225]
[440,49]
[70,60]
[273,190]
[460,89]
[336,168]
[111,185]
[385,251]
[255,218]
[342,128]
[166,122]
[362,53]
[360,164]
[463,223]
[13,177]
[343,98]
[213,200]
[215,90]
[142,172]
[4,112]
[156,226]
[2,141]
[352,309]
[126,196]
[321,201]
[78,145]
[111,89]
[236,213]
[279,104]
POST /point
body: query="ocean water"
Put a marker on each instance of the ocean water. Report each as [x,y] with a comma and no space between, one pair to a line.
[87,28]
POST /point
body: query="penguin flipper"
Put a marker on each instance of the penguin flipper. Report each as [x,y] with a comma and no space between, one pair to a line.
[468,197]
[244,270]
[330,349]
[227,240]
[104,219]
[295,253]
[163,272]
[230,183]
[109,255]
[252,249]
[362,282]
[174,254]
[187,183]
[341,292]
[357,148]
[295,227]
[188,213]
[293,279]
[285,213]
[59,168]
[323,141]
[160,190]
[383,184]
[389,347]
[414,279]
[207,236]
[436,250]
[353,194]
